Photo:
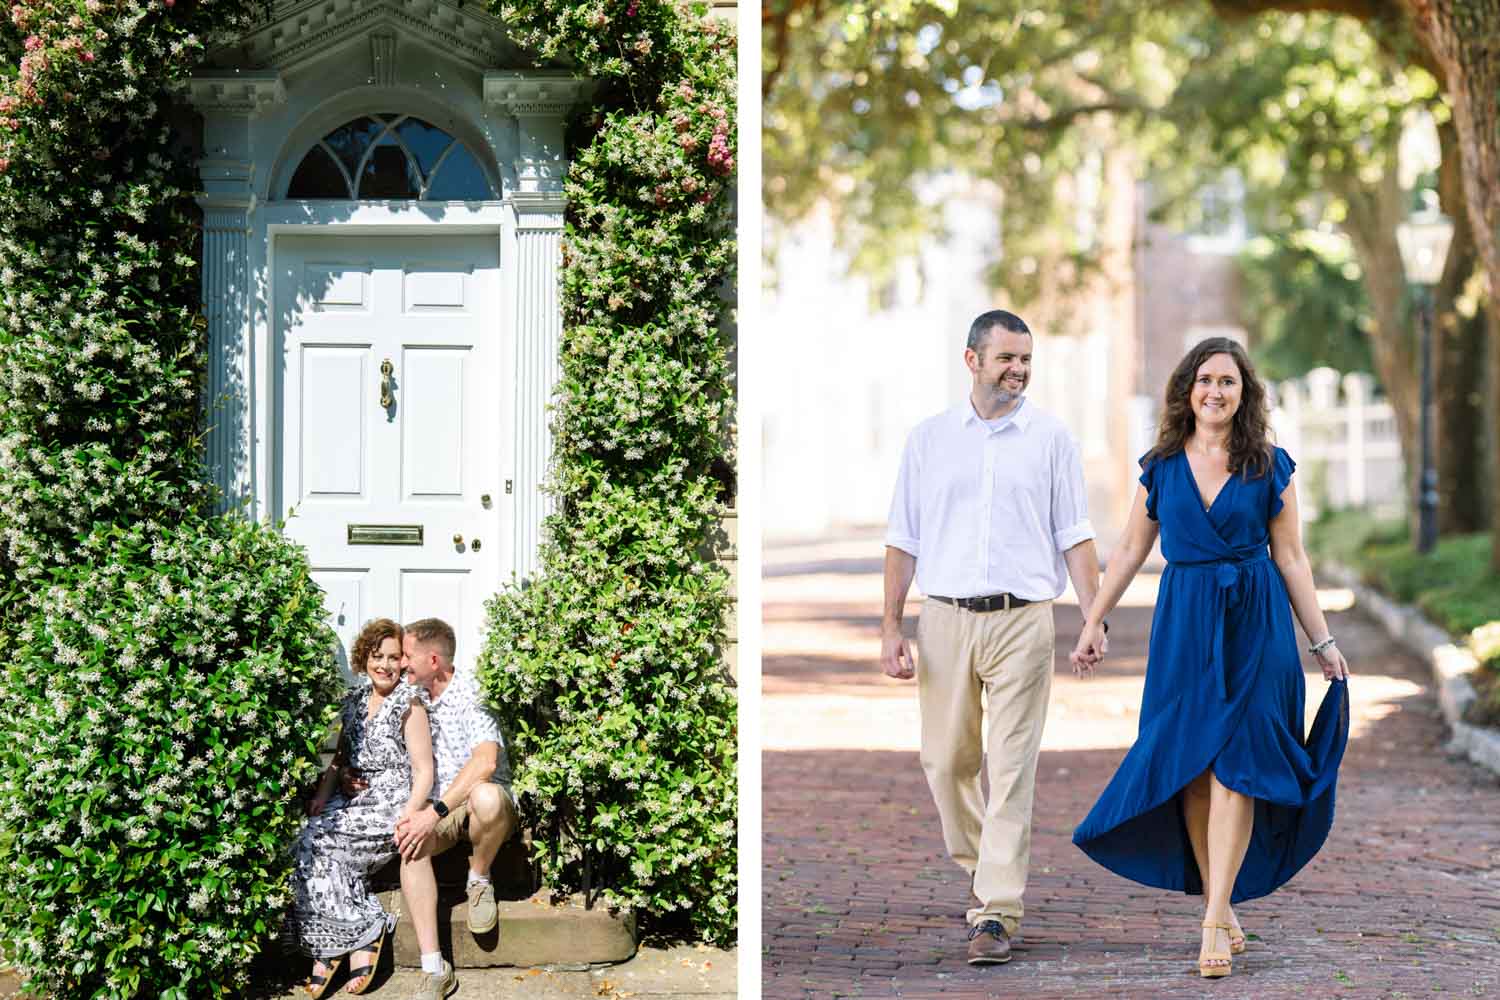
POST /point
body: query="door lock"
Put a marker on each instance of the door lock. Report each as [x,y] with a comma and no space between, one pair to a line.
[474,545]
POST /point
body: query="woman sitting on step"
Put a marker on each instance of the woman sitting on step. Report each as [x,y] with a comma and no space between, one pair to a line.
[387,742]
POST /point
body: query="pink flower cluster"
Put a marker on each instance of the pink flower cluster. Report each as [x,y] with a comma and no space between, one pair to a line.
[686,139]
[719,156]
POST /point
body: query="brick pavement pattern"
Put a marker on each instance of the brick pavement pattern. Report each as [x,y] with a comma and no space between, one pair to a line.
[861,901]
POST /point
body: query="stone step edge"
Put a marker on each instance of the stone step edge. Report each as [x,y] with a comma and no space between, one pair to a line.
[539,931]
[1449,663]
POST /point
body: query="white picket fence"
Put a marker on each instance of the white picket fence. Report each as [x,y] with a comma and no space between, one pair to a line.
[1344,441]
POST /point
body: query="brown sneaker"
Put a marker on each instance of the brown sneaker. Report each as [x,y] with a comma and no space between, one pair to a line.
[989,944]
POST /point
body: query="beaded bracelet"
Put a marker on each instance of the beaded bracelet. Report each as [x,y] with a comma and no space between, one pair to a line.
[1318,647]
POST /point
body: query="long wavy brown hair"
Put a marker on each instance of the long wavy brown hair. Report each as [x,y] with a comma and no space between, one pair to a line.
[1249,429]
[370,637]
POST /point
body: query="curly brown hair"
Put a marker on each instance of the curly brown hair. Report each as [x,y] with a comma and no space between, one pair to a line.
[1250,429]
[370,637]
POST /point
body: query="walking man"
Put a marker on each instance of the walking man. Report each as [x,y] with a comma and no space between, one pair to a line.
[472,800]
[989,512]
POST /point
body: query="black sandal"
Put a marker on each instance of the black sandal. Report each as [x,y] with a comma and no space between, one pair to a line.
[367,972]
[317,985]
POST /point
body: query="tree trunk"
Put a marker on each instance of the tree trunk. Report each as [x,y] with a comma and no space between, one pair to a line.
[1458,378]
[1374,211]
[1461,34]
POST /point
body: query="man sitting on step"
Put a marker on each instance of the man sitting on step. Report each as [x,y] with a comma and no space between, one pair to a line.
[472,799]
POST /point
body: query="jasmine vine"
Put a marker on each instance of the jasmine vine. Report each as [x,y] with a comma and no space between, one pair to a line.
[608,667]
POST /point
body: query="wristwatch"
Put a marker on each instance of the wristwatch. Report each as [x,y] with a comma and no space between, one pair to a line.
[440,807]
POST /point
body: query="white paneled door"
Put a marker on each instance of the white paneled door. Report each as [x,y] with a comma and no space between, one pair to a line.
[390,424]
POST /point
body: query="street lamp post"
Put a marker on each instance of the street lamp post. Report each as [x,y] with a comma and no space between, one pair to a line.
[1424,239]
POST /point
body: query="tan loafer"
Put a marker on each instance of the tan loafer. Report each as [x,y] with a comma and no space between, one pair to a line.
[436,986]
[483,913]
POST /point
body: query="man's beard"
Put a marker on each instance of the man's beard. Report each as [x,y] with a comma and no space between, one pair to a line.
[1001,393]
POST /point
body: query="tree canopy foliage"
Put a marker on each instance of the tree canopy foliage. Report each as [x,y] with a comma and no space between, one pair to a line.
[1306,106]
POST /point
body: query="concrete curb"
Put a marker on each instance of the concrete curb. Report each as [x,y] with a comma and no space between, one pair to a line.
[1450,664]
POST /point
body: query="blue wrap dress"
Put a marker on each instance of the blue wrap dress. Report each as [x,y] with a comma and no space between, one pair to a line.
[1224,690]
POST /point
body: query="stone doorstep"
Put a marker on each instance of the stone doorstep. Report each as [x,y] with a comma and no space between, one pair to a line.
[1450,664]
[532,931]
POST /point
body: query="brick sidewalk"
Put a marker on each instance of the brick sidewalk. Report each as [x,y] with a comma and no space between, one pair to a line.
[860,900]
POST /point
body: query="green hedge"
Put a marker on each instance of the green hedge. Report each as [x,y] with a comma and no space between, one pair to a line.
[168,673]
[608,667]
[162,707]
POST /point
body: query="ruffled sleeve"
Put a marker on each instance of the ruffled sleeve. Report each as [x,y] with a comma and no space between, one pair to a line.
[1282,468]
[403,697]
[1148,480]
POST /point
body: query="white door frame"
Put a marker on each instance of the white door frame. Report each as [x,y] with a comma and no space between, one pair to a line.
[254,120]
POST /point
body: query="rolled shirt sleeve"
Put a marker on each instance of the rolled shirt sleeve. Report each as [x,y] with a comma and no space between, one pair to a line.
[1070,509]
[903,527]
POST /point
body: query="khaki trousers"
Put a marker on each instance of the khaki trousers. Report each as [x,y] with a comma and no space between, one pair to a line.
[997,663]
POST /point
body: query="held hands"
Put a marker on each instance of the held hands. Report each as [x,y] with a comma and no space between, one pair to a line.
[1334,666]
[316,803]
[414,831]
[895,656]
[1092,645]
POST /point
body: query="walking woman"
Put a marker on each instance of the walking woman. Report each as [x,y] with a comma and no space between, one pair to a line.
[1221,793]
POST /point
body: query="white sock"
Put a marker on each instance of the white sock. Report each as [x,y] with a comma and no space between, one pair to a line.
[432,962]
[477,880]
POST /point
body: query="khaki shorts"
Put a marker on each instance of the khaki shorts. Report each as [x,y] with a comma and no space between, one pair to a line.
[454,827]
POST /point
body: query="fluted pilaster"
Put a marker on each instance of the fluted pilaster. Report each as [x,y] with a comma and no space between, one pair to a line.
[226,306]
[538,367]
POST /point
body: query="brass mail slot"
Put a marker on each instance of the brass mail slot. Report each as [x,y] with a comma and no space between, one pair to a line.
[385,534]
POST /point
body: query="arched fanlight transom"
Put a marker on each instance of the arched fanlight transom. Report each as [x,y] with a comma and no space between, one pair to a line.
[390,156]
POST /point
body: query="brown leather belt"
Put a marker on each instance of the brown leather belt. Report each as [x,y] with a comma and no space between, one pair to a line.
[990,602]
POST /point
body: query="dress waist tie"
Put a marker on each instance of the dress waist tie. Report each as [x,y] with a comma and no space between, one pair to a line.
[1226,594]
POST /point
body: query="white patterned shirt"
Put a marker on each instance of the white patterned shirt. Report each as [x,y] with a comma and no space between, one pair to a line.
[460,722]
[990,511]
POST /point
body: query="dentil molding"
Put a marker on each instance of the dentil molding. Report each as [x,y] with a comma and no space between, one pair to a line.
[534,93]
[237,91]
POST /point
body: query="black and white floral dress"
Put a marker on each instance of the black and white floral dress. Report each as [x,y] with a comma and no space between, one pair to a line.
[333,911]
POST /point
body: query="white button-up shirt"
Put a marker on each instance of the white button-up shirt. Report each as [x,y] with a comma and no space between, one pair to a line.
[990,512]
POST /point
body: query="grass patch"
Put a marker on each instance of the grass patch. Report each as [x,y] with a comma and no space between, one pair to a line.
[1452,585]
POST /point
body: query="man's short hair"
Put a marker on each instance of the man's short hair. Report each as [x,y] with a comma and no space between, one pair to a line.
[434,632]
[979,330]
